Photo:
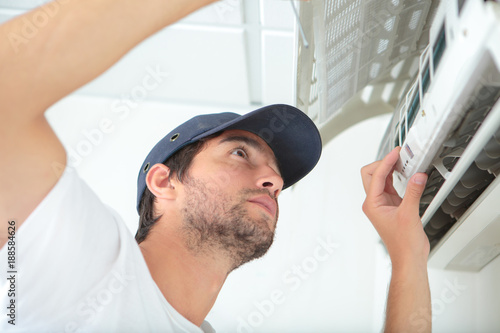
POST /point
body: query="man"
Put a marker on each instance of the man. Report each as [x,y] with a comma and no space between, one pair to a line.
[209,208]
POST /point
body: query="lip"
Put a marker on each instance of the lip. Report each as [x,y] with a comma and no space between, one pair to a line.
[265,202]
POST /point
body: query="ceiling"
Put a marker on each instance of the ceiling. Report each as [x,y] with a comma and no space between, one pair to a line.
[232,53]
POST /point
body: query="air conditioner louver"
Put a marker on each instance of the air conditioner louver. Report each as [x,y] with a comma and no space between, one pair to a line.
[478,176]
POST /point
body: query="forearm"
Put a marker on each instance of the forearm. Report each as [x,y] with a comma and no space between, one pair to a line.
[398,223]
[409,302]
[76,43]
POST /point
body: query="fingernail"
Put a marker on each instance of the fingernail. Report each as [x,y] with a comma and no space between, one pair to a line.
[420,179]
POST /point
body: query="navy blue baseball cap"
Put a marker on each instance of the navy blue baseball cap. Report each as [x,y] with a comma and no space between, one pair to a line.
[289,132]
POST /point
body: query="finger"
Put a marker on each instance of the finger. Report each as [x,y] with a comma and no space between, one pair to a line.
[367,173]
[414,190]
[389,187]
[379,177]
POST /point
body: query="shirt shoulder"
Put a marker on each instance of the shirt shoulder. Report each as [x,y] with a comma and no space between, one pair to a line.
[83,271]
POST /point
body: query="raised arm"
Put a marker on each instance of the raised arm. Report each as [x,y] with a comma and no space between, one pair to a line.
[398,223]
[78,41]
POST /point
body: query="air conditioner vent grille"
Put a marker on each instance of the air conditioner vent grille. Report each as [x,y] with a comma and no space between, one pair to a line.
[479,175]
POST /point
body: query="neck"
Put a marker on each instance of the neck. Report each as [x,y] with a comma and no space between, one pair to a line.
[189,281]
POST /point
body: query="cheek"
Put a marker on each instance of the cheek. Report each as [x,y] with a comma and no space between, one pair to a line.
[229,176]
[223,174]
[228,180]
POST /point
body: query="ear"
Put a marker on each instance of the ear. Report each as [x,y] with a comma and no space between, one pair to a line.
[159,182]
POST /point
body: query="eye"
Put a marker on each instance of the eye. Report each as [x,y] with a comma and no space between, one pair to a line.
[240,151]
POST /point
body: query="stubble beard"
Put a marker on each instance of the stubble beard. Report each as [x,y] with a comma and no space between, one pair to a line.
[219,224]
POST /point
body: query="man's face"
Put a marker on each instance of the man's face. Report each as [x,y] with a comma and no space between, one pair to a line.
[229,197]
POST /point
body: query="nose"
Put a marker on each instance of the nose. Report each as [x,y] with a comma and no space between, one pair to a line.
[271,181]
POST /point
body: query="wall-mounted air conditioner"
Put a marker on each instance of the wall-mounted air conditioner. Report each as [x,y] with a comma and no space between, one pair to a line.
[446,77]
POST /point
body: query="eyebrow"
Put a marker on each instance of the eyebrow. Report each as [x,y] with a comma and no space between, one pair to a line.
[249,141]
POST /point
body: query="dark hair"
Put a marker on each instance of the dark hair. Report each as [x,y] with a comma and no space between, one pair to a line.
[178,164]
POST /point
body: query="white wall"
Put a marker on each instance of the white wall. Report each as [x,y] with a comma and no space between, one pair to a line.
[326,272]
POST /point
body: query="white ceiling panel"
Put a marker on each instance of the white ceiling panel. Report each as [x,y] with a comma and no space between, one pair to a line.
[225,12]
[215,56]
[277,71]
[203,64]
[277,14]
[25,4]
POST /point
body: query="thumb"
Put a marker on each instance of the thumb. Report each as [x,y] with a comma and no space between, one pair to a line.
[414,190]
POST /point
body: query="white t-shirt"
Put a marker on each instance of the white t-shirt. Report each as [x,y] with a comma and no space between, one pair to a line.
[78,269]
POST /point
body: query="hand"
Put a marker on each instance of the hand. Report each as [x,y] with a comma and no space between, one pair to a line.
[396,220]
